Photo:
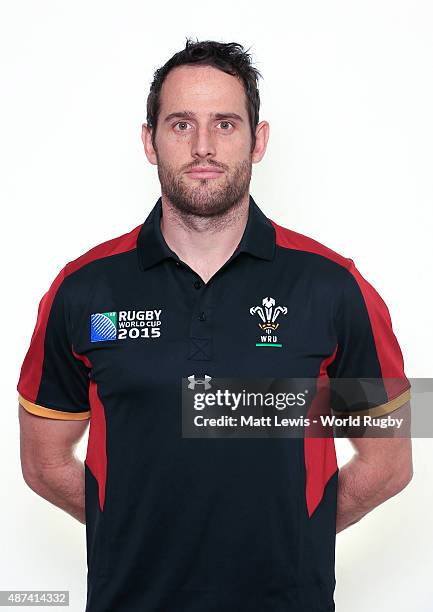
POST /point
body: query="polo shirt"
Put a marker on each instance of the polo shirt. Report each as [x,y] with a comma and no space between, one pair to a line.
[178,524]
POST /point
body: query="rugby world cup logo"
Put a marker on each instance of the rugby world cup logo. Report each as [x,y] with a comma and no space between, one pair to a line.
[126,325]
[103,326]
[268,313]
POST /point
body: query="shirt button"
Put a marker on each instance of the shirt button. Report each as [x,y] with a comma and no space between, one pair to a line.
[202,316]
[178,263]
[197,284]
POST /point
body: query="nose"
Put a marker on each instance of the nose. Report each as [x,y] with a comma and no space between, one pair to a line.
[203,144]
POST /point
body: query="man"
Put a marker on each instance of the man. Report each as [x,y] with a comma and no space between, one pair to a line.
[214,524]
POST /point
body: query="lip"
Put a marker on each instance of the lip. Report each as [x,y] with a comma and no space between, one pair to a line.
[202,173]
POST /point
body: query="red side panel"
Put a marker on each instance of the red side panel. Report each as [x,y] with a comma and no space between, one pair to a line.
[96,458]
[319,453]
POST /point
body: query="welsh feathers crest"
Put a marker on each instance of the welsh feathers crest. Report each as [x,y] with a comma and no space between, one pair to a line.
[268,314]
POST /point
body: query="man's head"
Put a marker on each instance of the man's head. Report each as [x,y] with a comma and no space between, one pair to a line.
[203,113]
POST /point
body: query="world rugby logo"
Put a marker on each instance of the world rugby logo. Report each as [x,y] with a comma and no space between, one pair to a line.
[103,326]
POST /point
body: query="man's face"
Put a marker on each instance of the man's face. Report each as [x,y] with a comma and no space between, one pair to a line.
[203,140]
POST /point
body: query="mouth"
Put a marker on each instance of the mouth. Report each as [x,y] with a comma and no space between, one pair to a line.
[204,173]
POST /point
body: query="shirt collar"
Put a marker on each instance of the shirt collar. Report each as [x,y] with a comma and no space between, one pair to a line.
[258,238]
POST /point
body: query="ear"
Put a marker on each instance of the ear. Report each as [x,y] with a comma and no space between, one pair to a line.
[262,137]
[146,138]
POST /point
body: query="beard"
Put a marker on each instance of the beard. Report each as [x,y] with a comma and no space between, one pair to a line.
[205,198]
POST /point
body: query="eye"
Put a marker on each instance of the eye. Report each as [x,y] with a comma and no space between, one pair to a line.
[226,125]
[182,126]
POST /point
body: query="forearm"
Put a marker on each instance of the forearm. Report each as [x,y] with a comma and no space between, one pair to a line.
[363,486]
[63,486]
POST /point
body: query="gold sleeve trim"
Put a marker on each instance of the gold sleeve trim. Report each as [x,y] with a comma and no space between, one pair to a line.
[52,414]
[378,411]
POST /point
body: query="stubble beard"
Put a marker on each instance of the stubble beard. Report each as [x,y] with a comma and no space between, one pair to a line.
[202,198]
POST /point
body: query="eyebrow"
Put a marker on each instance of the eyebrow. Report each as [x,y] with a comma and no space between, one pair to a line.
[191,115]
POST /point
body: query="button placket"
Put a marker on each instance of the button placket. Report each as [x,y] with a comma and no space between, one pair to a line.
[200,342]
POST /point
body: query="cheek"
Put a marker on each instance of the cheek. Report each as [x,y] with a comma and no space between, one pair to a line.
[174,154]
[171,144]
[236,147]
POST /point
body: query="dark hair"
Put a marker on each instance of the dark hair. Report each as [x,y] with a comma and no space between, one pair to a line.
[228,57]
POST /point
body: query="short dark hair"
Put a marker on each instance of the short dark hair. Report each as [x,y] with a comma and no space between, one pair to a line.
[228,57]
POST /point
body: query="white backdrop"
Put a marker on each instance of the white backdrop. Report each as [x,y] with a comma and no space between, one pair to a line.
[348,92]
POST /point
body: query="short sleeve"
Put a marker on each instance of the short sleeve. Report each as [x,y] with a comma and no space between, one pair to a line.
[54,381]
[367,372]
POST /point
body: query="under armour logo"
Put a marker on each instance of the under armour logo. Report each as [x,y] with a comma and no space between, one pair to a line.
[193,381]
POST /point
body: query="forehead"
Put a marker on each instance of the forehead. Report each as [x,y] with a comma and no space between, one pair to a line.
[202,89]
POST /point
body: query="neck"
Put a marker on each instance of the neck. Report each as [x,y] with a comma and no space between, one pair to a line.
[204,243]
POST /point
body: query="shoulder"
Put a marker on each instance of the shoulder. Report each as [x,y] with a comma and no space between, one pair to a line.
[332,270]
[79,274]
[325,270]
[125,243]
[312,253]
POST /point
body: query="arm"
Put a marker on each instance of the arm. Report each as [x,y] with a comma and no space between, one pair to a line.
[380,468]
[48,461]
